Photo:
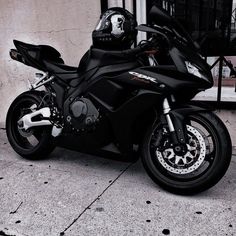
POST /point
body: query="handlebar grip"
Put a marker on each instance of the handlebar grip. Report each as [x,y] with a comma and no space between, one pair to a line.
[133,51]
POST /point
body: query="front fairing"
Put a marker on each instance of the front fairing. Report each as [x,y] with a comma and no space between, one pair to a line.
[181,47]
[180,54]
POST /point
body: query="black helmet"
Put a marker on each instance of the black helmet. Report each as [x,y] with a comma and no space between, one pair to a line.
[116,29]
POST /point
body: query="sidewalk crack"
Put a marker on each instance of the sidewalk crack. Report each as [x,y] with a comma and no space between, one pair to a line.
[15,211]
[76,219]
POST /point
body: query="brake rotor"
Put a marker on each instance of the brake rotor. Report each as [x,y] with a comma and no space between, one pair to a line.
[190,161]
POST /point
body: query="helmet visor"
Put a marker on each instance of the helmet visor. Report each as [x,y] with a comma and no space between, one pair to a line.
[104,22]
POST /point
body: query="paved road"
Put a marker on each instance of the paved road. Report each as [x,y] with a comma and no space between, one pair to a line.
[76,194]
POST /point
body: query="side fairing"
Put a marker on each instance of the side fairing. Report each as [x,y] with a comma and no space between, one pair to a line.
[171,80]
[114,91]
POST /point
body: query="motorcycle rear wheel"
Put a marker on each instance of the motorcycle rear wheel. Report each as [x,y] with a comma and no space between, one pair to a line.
[205,162]
[36,142]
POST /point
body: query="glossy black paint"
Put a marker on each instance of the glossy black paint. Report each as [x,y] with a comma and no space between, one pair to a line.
[126,91]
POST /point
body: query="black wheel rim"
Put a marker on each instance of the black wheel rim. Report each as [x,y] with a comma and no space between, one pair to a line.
[30,139]
[211,141]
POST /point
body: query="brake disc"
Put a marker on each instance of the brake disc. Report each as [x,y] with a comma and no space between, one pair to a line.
[191,161]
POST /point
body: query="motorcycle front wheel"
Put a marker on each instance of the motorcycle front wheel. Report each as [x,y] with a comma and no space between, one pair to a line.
[34,143]
[205,159]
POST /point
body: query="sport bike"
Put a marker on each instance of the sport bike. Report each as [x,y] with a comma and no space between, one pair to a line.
[126,104]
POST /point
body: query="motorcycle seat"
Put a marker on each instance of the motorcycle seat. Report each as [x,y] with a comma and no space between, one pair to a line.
[64,72]
[59,68]
[46,58]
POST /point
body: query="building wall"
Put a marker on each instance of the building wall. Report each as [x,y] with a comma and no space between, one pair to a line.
[115,3]
[63,24]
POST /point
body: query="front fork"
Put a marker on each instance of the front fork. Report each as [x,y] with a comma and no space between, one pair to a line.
[175,123]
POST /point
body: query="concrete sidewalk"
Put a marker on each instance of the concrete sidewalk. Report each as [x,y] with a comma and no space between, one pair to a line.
[76,194]
[228,94]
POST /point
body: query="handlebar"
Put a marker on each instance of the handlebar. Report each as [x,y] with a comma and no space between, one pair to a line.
[133,51]
[148,46]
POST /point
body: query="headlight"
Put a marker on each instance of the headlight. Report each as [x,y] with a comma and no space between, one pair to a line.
[193,69]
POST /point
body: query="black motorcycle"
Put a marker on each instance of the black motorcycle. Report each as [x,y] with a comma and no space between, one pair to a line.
[126,103]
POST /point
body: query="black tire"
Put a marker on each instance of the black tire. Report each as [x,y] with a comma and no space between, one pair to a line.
[218,151]
[42,143]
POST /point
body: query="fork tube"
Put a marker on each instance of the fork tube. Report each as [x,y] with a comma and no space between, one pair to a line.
[166,110]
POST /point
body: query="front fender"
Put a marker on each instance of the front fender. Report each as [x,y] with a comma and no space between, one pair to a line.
[188,109]
[178,116]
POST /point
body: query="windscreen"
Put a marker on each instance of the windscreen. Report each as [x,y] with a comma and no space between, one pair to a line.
[162,18]
[211,23]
